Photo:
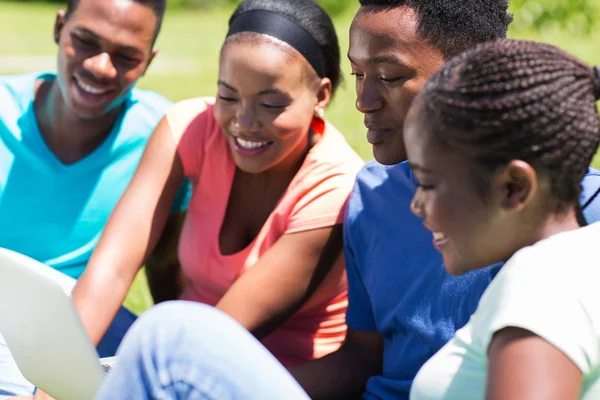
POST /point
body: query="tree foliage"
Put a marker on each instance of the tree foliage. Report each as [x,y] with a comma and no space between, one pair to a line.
[576,16]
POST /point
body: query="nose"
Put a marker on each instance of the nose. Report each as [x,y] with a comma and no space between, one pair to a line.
[368,98]
[101,66]
[246,119]
[416,204]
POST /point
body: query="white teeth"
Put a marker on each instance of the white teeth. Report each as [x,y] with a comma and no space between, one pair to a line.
[90,89]
[439,236]
[251,145]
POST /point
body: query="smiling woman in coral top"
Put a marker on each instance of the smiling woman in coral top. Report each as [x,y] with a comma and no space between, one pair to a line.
[262,239]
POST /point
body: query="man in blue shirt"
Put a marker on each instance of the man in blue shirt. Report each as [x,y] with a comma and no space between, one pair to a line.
[70,142]
[403,305]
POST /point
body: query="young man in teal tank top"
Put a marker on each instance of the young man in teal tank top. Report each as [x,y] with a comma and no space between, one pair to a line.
[71,140]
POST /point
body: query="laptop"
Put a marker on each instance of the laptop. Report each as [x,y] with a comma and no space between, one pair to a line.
[43,331]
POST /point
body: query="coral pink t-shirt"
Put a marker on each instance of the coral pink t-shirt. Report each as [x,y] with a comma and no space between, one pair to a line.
[314,199]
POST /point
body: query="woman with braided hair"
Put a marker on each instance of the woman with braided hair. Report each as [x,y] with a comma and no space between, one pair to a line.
[499,141]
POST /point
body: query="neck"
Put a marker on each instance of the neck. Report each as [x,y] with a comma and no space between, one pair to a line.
[286,170]
[556,223]
[528,231]
[68,136]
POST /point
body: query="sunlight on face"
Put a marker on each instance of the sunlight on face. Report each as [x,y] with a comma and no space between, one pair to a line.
[265,102]
[391,63]
[104,48]
[463,225]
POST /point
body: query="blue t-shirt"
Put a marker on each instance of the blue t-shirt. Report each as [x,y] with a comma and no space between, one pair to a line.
[52,212]
[397,282]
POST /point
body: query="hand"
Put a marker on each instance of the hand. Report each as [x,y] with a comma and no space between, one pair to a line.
[39,395]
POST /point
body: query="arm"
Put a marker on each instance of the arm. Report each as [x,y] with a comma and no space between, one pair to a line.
[131,233]
[522,365]
[343,373]
[282,281]
[165,278]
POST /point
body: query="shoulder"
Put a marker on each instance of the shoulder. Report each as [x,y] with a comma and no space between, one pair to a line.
[147,107]
[380,189]
[563,264]
[16,91]
[575,247]
[333,152]
[379,211]
[396,180]
[331,162]
[192,116]
[550,289]
[590,195]
[16,99]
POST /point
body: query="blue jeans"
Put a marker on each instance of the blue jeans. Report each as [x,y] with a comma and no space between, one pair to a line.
[185,350]
[12,382]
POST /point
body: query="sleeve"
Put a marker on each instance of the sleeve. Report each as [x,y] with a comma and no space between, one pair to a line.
[182,199]
[359,314]
[322,205]
[590,196]
[546,307]
[190,122]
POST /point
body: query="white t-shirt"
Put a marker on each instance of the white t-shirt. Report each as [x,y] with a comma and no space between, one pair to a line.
[551,289]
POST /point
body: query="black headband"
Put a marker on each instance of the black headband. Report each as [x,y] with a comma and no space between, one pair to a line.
[280,27]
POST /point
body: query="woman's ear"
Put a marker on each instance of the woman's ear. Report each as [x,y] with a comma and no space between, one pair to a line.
[323,94]
[518,184]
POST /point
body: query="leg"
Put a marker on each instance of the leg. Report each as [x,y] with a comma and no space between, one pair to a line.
[12,383]
[184,350]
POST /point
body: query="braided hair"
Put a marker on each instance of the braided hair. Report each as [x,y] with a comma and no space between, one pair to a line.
[510,99]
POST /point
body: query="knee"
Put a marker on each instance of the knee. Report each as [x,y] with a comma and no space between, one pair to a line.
[174,319]
[178,329]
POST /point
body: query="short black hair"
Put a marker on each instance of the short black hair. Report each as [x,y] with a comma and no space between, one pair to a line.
[313,19]
[454,26]
[158,6]
[518,100]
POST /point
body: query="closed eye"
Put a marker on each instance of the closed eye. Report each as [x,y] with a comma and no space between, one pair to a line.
[227,99]
[391,80]
[129,60]
[83,43]
[272,106]
[426,187]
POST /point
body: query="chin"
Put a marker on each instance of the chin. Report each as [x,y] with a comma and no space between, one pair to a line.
[385,155]
[250,167]
[456,268]
[85,112]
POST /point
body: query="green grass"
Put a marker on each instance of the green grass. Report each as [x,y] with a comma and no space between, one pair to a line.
[188,60]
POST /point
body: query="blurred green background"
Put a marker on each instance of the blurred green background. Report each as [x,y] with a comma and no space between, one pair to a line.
[194,29]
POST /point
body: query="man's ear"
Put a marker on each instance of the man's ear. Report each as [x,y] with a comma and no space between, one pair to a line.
[61,17]
[518,184]
[153,54]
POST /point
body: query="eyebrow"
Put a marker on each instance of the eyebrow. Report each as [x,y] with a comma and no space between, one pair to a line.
[385,59]
[93,34]
[262,92]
